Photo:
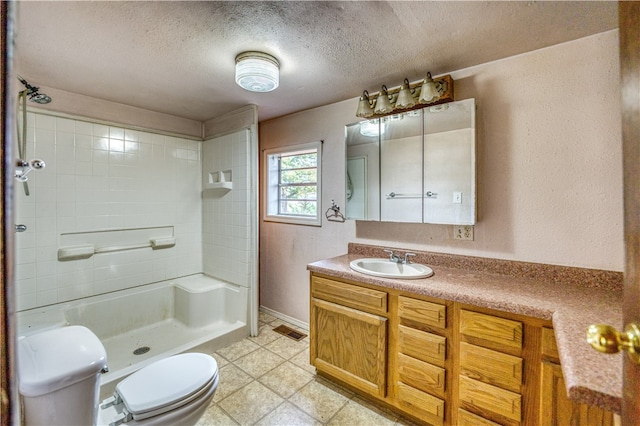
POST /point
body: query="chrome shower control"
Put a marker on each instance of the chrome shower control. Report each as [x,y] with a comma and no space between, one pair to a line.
[21,228]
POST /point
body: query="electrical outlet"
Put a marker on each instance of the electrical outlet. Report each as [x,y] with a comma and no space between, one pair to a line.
[463,232]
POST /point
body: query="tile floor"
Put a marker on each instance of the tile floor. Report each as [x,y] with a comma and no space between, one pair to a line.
[267,380]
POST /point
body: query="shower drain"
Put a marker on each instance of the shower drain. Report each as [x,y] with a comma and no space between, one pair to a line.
[142,350]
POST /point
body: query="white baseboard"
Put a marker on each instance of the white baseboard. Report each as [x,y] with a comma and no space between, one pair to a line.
[284,317]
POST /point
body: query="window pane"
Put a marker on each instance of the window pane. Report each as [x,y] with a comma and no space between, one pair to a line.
[307,192]
[300,208]
[293,183]
[298,176]
[297,161]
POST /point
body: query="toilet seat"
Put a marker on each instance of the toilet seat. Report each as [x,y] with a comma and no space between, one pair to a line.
[166,385]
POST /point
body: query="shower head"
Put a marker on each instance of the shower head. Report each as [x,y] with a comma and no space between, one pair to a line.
[33,94]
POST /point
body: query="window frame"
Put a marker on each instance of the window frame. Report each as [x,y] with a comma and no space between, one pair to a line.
[271,190]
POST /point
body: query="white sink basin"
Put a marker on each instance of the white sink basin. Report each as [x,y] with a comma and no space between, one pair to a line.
[387,269]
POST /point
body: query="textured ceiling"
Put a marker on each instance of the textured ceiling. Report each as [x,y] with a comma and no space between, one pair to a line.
[178,57]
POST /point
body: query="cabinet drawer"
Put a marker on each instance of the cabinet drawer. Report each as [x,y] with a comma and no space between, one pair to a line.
[365,299]
[466,418]
[427,313]
[421,404]
[491,329]
[421,375]
[549,346]
[483,397]
[491,367]
[422,345]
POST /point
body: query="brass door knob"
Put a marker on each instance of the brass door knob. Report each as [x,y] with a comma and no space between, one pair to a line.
[607,339]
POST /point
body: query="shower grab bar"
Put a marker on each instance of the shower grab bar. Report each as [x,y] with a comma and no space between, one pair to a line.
[88,250]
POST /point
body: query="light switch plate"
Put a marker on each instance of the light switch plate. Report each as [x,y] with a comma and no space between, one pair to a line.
[457,198]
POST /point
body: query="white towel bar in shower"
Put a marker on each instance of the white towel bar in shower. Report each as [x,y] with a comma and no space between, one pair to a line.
[88,250]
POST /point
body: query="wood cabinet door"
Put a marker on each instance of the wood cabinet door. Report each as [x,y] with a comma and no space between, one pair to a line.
[556,409]
[350,345]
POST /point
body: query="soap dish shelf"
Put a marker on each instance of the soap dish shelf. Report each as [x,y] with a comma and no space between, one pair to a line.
[219,181]
[219,186]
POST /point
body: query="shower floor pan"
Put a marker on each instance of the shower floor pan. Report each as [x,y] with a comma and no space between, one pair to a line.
[190,314]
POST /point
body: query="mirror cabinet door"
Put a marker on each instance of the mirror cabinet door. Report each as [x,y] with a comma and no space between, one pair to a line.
[450,163]
[401,167]
[363,171]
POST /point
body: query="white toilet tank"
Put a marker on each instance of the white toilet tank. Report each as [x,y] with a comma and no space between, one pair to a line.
[59,376]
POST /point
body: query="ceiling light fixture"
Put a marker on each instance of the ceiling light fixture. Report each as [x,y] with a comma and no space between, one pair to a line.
[407,97]
[257,71]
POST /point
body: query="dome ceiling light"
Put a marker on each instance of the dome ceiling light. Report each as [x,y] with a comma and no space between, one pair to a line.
[257,71]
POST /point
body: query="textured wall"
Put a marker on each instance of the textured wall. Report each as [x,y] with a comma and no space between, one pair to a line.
[549,179]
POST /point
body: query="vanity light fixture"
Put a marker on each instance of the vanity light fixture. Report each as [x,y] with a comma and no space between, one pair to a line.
[257,71]
[407,97]
[383,104]
[365,106]
[429,92]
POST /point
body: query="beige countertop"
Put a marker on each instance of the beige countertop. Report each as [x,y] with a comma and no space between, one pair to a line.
[572,298]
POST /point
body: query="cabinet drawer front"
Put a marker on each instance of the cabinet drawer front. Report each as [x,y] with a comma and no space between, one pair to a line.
[491,329]
[475,394]
[421,404]
[368,300]
[491,367]
[549,346]
[427,313]
[421,375]
[466,418]
[422,345]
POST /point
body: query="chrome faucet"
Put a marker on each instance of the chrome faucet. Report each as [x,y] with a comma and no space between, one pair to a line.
[393,257]
[397,259]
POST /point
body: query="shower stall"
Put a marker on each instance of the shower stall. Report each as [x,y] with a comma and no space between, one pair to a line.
[121,213]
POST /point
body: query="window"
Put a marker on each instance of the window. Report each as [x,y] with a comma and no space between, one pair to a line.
[292,179]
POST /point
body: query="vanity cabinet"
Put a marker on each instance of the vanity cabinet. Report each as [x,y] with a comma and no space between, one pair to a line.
[441,362]
[555,407]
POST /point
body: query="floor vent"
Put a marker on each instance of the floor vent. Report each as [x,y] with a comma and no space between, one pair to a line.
[142,350]
[289,332]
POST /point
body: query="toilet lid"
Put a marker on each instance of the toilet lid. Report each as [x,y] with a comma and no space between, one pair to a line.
[167,384]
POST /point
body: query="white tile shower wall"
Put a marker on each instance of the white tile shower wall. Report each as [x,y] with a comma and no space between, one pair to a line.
[226,221]
[104,177]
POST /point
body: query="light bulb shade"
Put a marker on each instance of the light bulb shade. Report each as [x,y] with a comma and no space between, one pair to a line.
[383,105]
[429,92]
[405,97]
[257,72]
[364,106]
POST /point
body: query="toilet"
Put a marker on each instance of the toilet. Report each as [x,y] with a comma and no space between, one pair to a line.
[59,381]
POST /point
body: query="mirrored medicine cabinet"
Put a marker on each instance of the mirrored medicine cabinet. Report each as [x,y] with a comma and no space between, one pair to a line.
[418,166]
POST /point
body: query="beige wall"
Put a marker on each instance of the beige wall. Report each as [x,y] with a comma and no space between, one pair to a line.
[549,177]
